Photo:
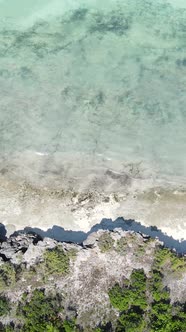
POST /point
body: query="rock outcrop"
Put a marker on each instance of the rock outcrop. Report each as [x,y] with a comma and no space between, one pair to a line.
[83,275]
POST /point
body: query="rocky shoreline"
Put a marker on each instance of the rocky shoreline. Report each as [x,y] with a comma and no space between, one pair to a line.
[82,276]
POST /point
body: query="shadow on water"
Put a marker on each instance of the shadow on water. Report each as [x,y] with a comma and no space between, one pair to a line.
[60,234]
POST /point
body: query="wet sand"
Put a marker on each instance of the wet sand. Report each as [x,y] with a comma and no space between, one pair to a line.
[23,204]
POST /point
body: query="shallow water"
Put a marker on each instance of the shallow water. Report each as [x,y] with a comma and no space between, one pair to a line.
[90,86]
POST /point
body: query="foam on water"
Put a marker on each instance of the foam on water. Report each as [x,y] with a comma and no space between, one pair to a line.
[91,86]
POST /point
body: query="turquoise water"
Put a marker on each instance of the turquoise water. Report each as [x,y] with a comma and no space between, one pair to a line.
[89,85]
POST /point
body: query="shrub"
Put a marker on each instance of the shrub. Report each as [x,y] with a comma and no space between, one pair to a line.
[105,242]
[8,328]
[131,301]
[4,306]
[164,258]
[40,312]
[7,275]
[136,314]
[122,245]
[133,293]
[56,261]
[131,321]
[69,326]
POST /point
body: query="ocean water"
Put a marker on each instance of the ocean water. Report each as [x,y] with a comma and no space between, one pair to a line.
[90,90]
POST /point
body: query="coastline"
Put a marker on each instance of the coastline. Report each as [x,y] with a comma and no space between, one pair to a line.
[104,81]
[26,202]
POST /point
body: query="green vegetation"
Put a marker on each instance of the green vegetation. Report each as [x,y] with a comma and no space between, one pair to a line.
[166,259]
[51,328]
[122,245]
[140,251]
[131,301]
[165,317]
[131,294]
[9,328]
[105,242]
[7,275]
[40,313]
[56,261]
[4,306]
[144,303]
[161,309]
[131,321]
[69,326]
[72,253]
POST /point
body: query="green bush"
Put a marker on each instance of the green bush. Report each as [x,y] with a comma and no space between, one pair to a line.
[51,328]
[119,297]
[122,245]
[164,317]
[4,306]
[131,301]
[105,242]
[131,321]
[139,312]
[56,261]
[40,312]
[69,326]
[8,328]
[7,275]
[165,258]
[133,292]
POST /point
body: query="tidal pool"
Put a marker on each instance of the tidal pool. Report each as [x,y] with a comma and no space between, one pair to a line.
[93,94]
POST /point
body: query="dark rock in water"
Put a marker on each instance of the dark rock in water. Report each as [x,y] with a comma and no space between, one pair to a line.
[79,14]
[145,236]
[123,178]
[181,62]
[116,23]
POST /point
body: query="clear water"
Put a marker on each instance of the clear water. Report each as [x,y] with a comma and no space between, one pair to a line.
[93,84]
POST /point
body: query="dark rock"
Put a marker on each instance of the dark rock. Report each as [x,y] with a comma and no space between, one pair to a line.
[91,240]
[14,244]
